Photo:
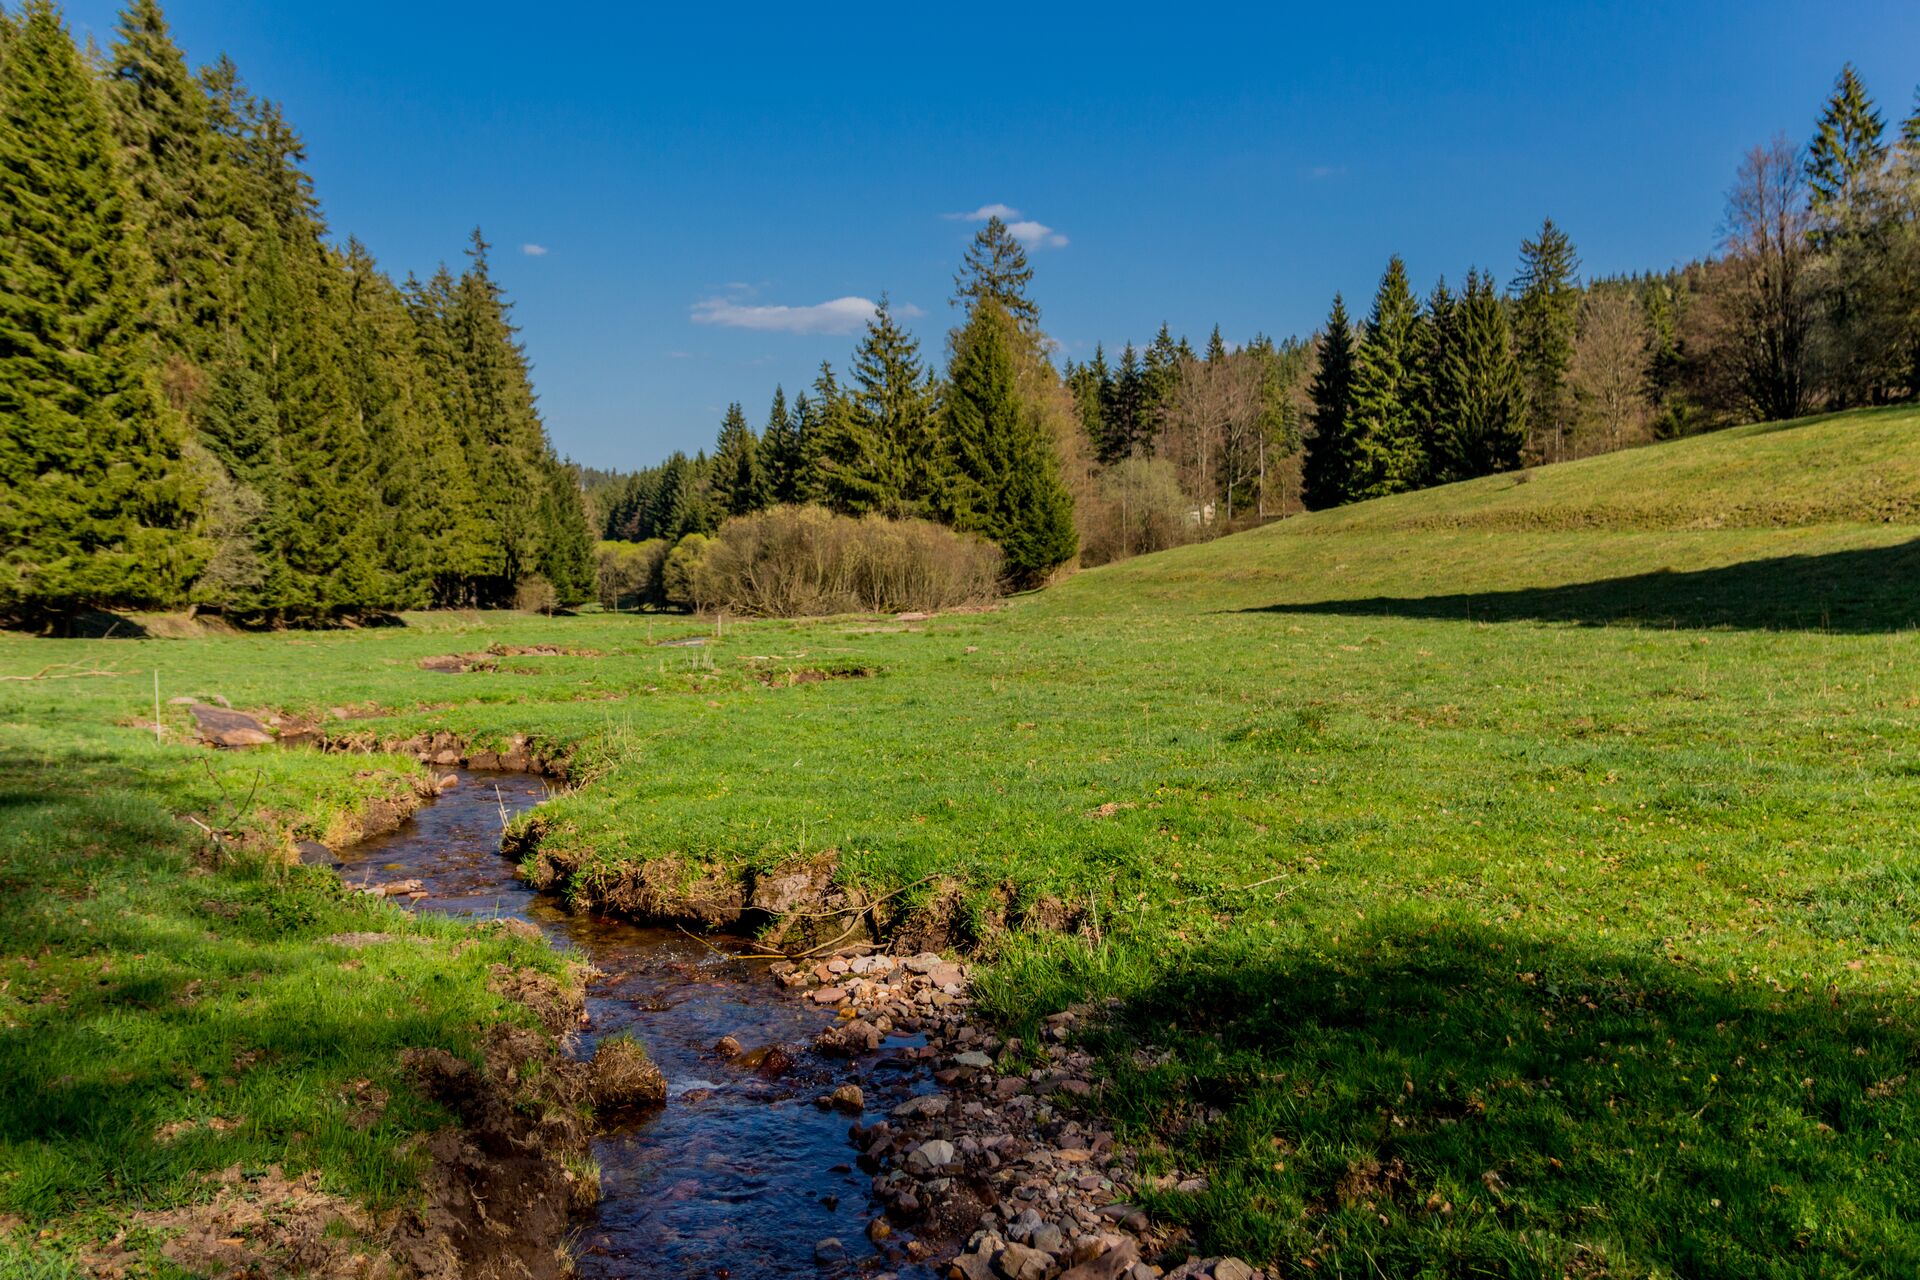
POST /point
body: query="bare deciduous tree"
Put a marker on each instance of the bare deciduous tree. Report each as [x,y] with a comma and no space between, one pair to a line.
[1609,372]
[1767,248]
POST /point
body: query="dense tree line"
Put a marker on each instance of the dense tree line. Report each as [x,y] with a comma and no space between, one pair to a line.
[204,401]
[972,449]
[1813,303]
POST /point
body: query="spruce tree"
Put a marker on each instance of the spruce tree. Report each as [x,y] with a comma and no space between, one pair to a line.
[1327,473]
[1438,335]
[1482,424]
[780,461]
[877,446]
[1846,153]
[169,151]
[996,267]
[457,537]
[96,504]
[738,486]
[1545,315]
[501,429]
[1001,476]
[1091,386]
[566,542]
[1125,409]
[400,420]
[1385,419]
[1159,375]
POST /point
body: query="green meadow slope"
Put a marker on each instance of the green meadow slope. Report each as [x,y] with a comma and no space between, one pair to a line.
[1514,879]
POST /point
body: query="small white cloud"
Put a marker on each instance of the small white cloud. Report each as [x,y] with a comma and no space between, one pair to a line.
[1323,171]
[1004,212]
[534,250]
[1036,235]
[840,315]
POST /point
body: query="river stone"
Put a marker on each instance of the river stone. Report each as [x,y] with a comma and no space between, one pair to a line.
[1019,1262]
[927,1104]
[224,728]
[924,962]
[848,1097]
[929,1156]
[829,1250]
[1232,1269]
[830,995]
[1111,1265]
[972,1058]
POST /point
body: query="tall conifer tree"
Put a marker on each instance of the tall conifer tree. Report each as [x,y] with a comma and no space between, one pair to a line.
[1481,424]
[877,447]
[780,461]
[1001,476]
[96,505]
[1545,316]
[1327,474]
[739,488]
[1389,455]
[996,267]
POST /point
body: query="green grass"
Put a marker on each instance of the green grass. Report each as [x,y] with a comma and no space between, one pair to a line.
[1511,879]
[167,1011]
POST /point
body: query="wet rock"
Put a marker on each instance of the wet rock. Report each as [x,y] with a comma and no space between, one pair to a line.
[726,1048]
[849,1098]
[225,728]
[852,1037]
[829,1250]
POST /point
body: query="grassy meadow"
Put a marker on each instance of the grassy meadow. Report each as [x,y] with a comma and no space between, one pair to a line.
[1516,878]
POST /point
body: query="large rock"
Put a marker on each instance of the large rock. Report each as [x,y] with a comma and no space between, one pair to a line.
[225,728]
[1111,1265]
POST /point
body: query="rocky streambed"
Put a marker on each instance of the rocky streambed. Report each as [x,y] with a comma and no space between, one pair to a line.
[838,1115]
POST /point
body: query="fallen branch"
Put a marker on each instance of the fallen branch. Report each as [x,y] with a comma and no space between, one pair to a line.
[59,671]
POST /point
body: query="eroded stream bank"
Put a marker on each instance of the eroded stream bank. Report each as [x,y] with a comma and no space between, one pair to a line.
[740,1173]
[838,1116]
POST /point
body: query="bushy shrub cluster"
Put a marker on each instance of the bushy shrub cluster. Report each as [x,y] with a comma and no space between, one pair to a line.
[794,561]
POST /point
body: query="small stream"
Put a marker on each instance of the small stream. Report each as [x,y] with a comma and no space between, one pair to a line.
[740,1174]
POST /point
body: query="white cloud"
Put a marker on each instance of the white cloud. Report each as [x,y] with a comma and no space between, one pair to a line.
[1004,212]
[840,315]
[534,250]
[1036,235]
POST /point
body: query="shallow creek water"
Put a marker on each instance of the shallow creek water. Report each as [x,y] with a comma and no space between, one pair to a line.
[740,1174]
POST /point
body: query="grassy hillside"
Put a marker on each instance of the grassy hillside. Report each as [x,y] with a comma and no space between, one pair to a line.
[1519,877]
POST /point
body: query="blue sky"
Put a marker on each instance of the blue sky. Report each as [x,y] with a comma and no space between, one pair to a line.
[660,180]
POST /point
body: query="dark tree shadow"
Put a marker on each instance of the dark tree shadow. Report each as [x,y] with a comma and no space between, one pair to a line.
[1588,1094]
[1872,589]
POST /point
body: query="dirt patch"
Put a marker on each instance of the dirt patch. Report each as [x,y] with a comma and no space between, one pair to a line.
[257,1223]
[499,650]
[459,664]
[1369,1182]
[811,675]
[499,1190]
[559,1007]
